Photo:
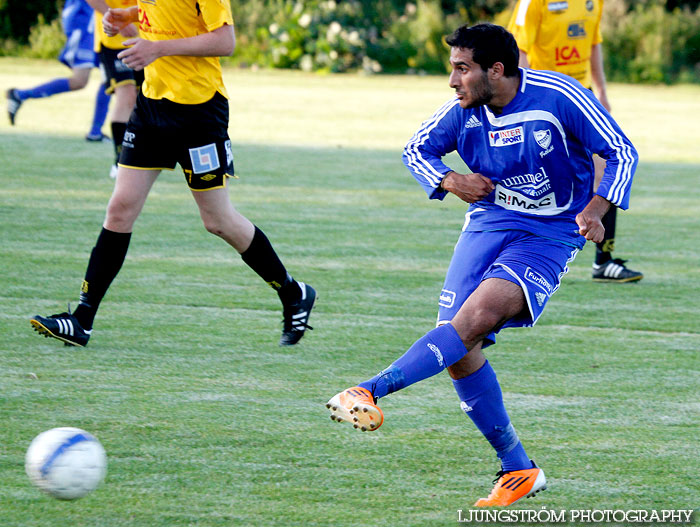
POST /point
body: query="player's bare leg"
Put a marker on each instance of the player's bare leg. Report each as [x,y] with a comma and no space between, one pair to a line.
[106,259]
[222,219]
[128,197]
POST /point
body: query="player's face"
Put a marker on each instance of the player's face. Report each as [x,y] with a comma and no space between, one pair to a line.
[469,81]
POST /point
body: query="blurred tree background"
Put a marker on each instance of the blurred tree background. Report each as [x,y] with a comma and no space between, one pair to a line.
[644,40]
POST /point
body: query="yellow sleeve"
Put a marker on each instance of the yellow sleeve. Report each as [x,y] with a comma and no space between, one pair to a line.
[598,35]
[216,13]
[525,23]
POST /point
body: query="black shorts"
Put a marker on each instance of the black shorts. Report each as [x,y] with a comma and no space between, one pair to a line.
[115,72]
[161,133]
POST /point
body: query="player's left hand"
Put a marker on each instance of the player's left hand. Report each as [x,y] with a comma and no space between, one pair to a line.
[590,227]
[140,53]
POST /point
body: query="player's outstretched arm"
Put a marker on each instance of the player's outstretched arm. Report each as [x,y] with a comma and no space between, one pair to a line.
[467,187]
[218,43]
[589,219]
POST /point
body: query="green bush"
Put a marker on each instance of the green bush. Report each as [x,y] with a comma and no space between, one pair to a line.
[651,44]
[18,16]
[45,40]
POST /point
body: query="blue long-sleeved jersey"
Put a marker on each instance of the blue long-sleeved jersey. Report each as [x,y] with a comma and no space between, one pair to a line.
[76,14]
[537,152]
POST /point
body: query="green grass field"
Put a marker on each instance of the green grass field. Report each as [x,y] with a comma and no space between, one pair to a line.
[207,422]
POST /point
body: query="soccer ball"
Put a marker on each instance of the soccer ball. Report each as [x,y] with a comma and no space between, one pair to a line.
[66,463]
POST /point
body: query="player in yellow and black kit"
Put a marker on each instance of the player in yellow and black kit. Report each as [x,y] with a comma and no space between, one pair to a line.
[118,78]
[181,116]
[565,36]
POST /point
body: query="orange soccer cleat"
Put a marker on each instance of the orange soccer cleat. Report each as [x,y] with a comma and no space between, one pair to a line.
[357,406]
[513,486]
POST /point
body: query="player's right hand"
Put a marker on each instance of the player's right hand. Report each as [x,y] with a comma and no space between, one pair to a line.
[114,20]
[468,187]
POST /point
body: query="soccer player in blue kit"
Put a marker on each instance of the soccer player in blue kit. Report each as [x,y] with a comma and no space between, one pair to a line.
[528,137]
[79,56]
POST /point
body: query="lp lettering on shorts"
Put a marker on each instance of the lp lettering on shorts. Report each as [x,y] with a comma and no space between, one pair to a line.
[204,159]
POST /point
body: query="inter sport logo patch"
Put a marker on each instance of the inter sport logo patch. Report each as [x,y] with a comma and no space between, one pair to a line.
[507,137]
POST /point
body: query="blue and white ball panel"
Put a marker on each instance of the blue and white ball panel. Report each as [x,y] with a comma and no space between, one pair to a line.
[534,263]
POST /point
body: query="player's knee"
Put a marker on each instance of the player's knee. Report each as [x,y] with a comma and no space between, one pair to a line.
[214,226]
[478,322]
[77,83]
[120,216]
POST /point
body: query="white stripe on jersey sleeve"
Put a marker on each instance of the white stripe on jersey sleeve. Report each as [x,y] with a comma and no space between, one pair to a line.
[624,171]
[522,11]
[417,163]
[601,124]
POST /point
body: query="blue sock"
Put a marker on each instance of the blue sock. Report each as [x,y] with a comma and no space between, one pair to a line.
[101,109]
[482,401]
[428,356]
[44,90]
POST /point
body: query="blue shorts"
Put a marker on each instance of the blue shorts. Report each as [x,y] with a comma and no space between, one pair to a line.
[79,25]
[534,263]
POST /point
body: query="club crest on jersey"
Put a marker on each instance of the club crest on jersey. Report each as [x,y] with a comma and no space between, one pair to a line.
[204,159]
[543,137]
[557,7]
[589,5]
[507,137]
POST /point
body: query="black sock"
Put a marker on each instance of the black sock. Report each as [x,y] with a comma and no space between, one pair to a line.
[105,262]
[604,248]
[262,258]
[118,130]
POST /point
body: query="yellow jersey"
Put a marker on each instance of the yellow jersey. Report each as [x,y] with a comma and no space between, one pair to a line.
[101,39]
[558,35]
[182,79]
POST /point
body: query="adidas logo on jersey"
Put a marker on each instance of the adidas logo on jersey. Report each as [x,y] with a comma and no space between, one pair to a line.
[473,122]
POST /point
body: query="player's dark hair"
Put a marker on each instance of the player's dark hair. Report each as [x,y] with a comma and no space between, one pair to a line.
[489,44]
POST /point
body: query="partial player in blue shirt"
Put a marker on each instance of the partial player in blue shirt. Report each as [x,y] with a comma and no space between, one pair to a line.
[79,55]
[528,138]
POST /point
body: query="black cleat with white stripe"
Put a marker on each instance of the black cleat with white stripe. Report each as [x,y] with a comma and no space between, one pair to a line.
[615,271]
[13,104]
[296,316]
[63,326]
